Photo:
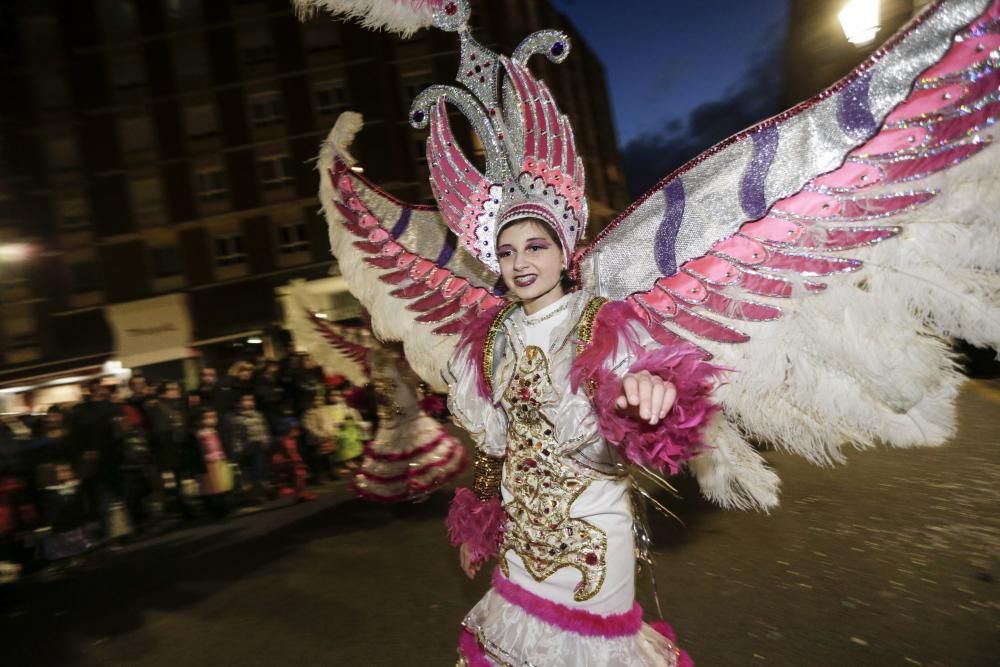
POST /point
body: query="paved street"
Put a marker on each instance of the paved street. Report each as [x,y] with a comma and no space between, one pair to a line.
[891,560]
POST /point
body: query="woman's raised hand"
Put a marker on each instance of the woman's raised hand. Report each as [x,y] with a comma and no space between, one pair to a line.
[646,394]
[470,568]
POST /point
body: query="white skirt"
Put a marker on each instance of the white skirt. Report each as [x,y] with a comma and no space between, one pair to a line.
[522,622]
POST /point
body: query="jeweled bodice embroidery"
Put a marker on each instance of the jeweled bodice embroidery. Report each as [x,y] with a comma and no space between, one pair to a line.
[543,490]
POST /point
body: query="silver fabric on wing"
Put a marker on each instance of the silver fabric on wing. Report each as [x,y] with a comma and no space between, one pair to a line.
[811,143]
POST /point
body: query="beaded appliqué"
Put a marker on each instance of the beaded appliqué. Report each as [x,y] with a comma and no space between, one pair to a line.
[542,532]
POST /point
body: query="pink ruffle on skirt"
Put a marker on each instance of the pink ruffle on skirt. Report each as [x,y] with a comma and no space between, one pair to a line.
[513,625]
[412,460]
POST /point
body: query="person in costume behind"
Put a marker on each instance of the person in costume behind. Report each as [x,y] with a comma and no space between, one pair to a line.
[411,454]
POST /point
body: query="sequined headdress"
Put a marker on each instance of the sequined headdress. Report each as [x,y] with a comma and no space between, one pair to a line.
[532,168]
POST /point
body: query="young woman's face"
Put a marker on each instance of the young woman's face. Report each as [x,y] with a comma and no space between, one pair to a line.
[531,264]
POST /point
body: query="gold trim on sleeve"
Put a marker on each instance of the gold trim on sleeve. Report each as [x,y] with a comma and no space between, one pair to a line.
[585,330]
[486,363]
[486,473]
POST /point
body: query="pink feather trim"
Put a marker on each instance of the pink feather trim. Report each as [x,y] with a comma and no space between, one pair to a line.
[683,659]
[615,323]
[477,524]
[677,438]
[474,342]
[572,620]
[469,648]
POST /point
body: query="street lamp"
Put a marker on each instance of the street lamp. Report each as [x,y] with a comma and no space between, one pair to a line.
[14,252]
[860,21]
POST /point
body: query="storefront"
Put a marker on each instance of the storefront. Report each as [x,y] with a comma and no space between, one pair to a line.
[154,335]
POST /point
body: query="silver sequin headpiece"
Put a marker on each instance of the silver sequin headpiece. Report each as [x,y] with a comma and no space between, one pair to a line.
[532,168]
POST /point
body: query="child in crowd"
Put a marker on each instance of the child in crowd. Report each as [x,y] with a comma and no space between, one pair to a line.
[321,434]
[216,482]
[351,432]
[250,442]
[287,463]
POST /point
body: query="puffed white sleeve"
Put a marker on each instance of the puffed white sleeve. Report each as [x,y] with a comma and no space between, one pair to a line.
[471,410]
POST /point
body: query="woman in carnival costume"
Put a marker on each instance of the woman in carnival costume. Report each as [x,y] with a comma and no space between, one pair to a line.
[775,255]
[411,455]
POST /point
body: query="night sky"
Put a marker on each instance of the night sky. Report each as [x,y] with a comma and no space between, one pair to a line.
[683,75]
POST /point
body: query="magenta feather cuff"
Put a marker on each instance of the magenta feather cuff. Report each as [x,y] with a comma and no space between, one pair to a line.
[676,439]
[477,524]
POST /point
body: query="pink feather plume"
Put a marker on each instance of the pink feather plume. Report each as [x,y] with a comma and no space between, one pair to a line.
[677,438]
[477,524]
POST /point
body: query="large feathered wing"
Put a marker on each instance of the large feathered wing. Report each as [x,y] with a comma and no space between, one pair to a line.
[826,255]
[337,349]
[400,260]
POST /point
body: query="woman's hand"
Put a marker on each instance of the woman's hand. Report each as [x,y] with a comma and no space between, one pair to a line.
[649,395]
[468,566]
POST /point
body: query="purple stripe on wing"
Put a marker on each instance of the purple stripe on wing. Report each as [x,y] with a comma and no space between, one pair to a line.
[752,189]
[666,234]
[853,111]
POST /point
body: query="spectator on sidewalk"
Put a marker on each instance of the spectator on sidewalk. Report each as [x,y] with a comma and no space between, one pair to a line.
[97,450]
[270,395]
[137,466]
[250,443]
[321,436]
[169,434]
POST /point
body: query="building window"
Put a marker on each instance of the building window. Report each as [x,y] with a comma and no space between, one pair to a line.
[189,58]
[118,18]
[24,341]
[136,134]
[13,276]
[275,171]
[330,96]
[255,44]
[147,197]
[20,327]
[321,35]
[211,184]
[62,154]
[200,122]
[293,237]
[51,92]
[166,261]
[127,70]
[41,40]
[182,11]
[86,277]
[230,249]
[73,215]
[265,108]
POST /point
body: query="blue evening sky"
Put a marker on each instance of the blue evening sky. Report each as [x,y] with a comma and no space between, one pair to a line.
[666,57]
